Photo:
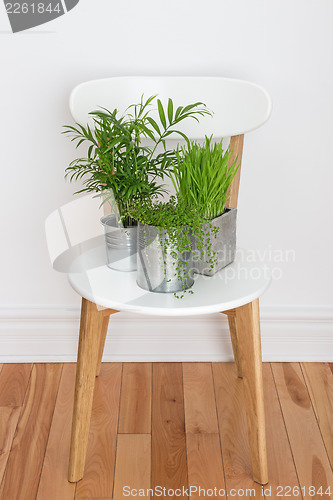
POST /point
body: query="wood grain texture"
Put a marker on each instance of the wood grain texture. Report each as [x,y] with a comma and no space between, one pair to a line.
[229,312]
[319,381]
[199,399]
[9,417]
[104,331]
[29,444]
[204,461]
[133,466]
[89,345]
[53,482]
[234,342]
[99,471]
[331,366]
[309,453]
[233,429]
[14,380]
[236,146]
[249,342]
[168,427]
[135,401]
[281,467]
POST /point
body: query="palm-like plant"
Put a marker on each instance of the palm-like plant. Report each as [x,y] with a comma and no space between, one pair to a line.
[202,175]
[116,158]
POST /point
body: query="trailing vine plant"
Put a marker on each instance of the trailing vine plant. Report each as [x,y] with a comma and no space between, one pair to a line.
[176,223]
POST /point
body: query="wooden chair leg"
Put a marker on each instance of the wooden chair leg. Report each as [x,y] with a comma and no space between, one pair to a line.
[104,331]
[89,345]
[234,341]
[248,333]
[105,325]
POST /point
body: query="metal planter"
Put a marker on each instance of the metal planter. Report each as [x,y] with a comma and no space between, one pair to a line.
[157,263]
[224,244]
[121,244]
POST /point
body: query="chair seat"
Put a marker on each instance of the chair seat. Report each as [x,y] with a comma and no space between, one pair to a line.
[238,284]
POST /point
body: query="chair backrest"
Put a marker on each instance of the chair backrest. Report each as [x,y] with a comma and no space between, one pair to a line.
[238,106]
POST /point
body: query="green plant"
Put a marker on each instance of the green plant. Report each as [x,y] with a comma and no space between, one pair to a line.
[117,161]
[201,176]
[176,222]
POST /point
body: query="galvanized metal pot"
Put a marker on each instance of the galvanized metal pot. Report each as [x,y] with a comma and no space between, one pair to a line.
[157,262]
[224,244]
[121,244]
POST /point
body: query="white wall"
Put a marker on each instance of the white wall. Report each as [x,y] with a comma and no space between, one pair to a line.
[286,190]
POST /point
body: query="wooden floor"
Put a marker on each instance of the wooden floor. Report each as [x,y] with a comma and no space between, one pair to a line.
[165,424]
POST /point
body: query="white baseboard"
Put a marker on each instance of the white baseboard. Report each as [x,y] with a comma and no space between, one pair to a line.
[50,334]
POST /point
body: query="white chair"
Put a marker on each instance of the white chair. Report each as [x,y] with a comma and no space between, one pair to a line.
[238,107]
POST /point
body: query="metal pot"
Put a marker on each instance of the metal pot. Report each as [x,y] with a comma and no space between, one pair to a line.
[157,262]
[224,244]
[121,244]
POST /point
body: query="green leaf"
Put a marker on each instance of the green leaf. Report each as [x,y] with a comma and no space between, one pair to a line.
[154,124]
[161,113]
[170,110]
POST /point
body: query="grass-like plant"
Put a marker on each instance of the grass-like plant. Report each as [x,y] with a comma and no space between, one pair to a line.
[177,222]
[117,160]
[202,176]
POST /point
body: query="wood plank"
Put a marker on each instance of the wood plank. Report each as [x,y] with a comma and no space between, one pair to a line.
[199,399]
[230,404]
[133,464]
[319,381]
[135,401]
[99,471]
[308,449]
[168,428]
[331,367]
[204,462]
[53,482]
[281,467]
[14,379]
[29,444]
[9,417]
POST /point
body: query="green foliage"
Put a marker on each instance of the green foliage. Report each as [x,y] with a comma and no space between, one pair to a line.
[116,159]
[177,223]
[201,176]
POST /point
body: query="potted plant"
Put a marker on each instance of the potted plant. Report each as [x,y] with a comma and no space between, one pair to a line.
[118,166]
[165,244]
[201,176]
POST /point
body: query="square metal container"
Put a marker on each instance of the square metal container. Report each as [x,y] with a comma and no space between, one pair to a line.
[224,244]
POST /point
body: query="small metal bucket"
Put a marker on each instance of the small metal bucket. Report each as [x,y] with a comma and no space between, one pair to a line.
[157,263]
[224,244]
[121,244]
